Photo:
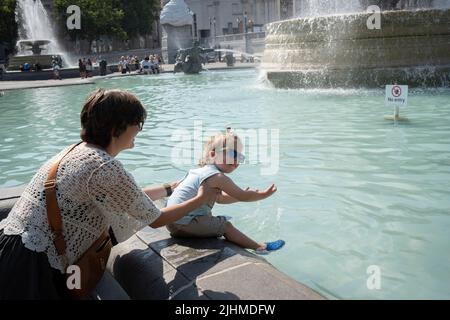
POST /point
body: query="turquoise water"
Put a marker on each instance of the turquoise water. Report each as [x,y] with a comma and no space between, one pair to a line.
[354,190]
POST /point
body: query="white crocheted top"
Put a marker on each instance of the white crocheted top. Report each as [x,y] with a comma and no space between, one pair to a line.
[94,192]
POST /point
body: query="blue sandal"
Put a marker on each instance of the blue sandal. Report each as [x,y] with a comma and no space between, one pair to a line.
[271,246]
[274,245]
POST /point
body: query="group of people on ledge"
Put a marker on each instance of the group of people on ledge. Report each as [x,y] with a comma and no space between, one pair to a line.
[151,64]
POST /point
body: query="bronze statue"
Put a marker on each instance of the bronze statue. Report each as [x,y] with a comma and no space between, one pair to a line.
[190,60]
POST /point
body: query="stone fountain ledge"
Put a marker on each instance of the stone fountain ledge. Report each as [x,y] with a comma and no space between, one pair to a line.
[15,85]
[75,80]
[151,265]
[411,48]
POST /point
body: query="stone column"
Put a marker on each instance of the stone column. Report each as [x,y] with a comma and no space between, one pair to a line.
[176,21]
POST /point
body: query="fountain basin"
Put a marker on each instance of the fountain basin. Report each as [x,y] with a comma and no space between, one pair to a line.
[35,46]
[44,60]
[340,51]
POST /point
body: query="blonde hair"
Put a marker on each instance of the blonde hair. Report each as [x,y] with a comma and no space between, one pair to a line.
[227,140]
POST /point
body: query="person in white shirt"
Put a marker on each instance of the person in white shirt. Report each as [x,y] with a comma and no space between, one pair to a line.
[56,74]
[155,63]
[122,65]
[146,65]
[94,193]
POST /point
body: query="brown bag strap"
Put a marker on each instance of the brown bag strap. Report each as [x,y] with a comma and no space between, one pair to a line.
[53,212]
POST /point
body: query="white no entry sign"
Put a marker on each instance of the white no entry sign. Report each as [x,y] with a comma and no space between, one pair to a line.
[396,95]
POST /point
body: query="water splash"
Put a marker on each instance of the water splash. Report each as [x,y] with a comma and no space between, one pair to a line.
[340,51]
[34,24]
[315,8]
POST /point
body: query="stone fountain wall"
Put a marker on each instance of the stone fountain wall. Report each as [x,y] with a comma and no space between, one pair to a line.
[412,47]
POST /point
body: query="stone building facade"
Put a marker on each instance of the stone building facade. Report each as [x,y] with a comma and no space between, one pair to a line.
[214,18]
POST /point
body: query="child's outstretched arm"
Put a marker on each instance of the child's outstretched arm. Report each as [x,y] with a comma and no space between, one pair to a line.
[227,185]
[225,198]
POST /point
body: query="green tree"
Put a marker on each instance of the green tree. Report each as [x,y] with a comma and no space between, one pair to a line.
[139,16]
[98,18]
[120,19]
[8,25]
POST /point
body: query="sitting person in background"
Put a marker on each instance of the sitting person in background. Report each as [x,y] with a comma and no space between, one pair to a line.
[146,66]
[122,65]
[159,61]
[129,64]
[155,64]
[56,71]
[25,67]
[136,63]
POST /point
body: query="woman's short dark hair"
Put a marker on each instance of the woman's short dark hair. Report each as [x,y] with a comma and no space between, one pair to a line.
[108,113]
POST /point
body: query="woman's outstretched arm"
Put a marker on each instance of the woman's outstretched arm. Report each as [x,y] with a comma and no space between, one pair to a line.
[159,192]
[176,212]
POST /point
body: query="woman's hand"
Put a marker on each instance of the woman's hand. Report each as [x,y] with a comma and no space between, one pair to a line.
[175,212]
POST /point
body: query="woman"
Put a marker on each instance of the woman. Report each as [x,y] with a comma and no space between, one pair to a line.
[94,192]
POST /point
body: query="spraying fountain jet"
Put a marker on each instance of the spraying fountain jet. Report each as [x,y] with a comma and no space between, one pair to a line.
[339,50]
[36,58]
[38,44]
